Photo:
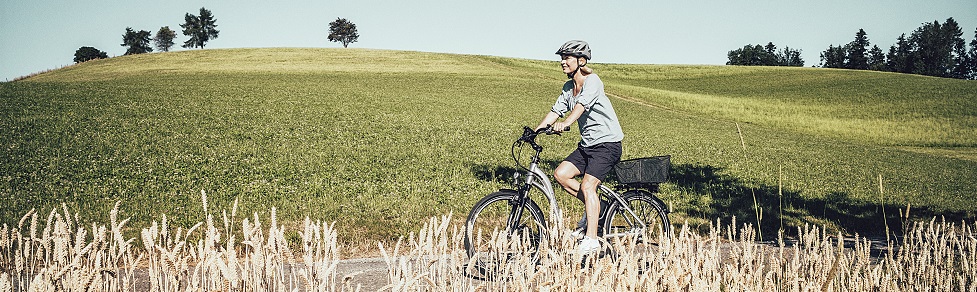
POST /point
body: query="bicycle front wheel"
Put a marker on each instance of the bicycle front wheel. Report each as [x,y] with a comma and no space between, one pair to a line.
[647,221]
[500,228]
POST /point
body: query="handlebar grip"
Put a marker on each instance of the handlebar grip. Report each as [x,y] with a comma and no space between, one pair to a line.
[550,128]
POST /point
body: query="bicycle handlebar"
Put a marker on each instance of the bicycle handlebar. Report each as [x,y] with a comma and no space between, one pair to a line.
[529,136]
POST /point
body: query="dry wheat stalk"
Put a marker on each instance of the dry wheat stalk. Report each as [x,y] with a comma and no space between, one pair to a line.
[64,256]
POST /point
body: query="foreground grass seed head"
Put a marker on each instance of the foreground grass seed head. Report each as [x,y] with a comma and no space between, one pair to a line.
[932,254]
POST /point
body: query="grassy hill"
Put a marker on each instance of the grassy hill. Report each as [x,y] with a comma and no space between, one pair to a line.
[381,140]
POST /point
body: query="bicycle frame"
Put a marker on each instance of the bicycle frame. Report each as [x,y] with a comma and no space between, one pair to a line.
[537,178]
[627,207]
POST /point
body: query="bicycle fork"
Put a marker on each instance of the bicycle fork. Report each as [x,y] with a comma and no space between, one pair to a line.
[515,212]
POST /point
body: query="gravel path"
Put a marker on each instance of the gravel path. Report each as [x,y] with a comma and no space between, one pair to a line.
[369,273]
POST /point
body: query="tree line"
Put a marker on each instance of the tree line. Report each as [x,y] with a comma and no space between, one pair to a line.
[933,49]
[756,55]
[200,29]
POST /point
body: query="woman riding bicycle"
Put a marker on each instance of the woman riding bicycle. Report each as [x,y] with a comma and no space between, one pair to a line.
[599,148]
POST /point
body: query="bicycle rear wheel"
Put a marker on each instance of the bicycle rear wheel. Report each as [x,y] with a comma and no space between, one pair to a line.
[619,222]
[499,229]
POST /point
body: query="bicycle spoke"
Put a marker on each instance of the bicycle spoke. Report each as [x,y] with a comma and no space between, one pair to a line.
[647,209]
[497,231]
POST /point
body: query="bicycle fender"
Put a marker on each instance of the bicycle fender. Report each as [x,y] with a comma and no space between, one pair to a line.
[661,203]
[653,197]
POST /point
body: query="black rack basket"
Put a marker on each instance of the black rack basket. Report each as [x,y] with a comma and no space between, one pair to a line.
[647,170]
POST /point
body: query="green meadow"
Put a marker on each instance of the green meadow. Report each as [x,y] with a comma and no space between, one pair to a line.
[379,141]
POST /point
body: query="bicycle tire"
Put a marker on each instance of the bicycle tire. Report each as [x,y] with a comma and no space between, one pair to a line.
[490,216]
[619,223]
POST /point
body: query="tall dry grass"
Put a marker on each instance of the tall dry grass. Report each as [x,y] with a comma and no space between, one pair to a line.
[932,256]
[205,257]
[64,256]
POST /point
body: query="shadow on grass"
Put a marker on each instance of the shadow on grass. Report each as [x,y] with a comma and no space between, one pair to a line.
[729,196]
[503,174]
[712,195]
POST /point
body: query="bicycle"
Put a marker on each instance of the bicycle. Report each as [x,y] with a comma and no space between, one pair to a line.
[512,216]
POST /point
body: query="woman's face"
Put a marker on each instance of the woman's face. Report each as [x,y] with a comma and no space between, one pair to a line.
[569,63]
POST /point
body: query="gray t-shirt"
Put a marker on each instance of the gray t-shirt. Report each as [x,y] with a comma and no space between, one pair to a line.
[598,123]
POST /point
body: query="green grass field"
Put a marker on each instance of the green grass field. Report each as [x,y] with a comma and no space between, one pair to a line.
[379,141]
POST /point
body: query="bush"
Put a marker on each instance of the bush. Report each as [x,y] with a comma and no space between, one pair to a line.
[89,53]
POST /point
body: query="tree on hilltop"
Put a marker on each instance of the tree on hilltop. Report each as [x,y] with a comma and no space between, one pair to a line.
[750,55]
[858,51]
[834,57]
[200,29]
[756,55]
[933,49]
[854,55]
[900,57]
[876,59]
[343,31]
[164,38]
[959,67]
[790,57]
[972,57]
[136,41]
[934,44]
[89,53]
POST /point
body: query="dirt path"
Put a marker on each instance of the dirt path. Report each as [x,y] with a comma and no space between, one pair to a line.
[369,273]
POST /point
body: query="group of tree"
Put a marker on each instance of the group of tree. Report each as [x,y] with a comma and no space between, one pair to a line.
[933,49]
[200,28]
[756,55]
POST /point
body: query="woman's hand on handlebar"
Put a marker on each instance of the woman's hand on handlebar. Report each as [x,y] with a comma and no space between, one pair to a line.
[529,134]
[560,127]
[551,130]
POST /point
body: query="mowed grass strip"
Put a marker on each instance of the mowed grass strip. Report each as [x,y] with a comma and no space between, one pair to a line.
[381,140]
[862,106]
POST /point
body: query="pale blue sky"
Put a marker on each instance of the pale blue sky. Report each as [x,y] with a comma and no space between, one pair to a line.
[37,35]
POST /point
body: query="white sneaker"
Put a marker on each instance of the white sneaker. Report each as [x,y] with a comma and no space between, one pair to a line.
[588,245]
[581,229]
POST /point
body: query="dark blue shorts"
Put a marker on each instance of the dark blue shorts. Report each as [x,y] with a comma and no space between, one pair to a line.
[597,160]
